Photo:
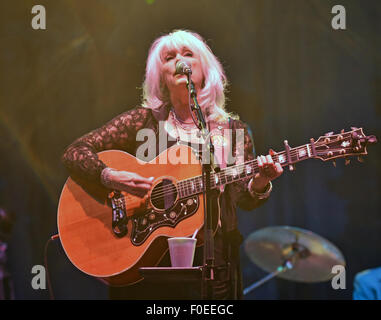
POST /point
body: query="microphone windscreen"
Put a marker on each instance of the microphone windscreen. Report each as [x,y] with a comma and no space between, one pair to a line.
[182,67]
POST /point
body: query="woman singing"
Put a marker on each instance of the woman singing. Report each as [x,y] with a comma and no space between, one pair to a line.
[166,101]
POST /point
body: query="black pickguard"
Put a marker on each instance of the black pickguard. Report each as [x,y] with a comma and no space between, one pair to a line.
[151,220]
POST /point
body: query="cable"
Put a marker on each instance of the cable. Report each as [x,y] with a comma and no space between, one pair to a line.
[52,238]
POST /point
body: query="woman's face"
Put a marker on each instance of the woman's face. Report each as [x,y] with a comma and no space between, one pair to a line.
[176,83]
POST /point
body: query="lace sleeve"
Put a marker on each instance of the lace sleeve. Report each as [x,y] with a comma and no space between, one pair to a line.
[240,190]
[80,158]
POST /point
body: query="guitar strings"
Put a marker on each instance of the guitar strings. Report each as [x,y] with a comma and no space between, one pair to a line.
[185,184]
[197,183]
[228,172]
[198,180]
[223,174]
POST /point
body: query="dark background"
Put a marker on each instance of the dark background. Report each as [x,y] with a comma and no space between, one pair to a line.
[292,77]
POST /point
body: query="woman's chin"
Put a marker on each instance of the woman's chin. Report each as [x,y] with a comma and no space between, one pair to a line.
[180,83]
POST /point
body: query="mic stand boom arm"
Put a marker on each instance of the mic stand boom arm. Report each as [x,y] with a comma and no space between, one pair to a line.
[207,167]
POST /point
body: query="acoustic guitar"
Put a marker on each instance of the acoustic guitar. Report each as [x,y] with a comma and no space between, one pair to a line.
[110,234]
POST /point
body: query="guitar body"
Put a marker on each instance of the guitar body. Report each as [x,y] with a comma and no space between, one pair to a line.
[85,217]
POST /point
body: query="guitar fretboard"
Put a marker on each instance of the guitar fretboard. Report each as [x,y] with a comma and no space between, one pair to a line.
[192,186]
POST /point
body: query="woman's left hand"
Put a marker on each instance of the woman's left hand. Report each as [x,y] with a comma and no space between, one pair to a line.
[268,171]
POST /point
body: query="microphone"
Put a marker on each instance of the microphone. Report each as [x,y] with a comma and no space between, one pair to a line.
[183,68]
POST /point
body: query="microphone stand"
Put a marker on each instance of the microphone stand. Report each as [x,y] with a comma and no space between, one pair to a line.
[207,167]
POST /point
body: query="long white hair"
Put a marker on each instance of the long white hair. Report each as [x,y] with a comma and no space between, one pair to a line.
[212,95]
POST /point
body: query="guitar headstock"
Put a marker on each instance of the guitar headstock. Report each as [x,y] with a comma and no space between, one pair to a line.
[343,145]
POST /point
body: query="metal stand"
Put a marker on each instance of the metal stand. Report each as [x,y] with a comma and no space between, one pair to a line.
[207,167]
[288,265]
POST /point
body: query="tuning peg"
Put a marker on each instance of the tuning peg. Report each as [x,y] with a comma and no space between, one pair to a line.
[360,159]
[371,139]
[347,161]
[334,163]
[272,152]
[342,131]
[329,133]
[291,167]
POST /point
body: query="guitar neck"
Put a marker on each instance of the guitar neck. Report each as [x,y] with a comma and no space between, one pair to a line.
[289,156]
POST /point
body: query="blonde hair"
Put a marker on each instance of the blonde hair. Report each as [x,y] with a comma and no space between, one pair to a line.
[211,97]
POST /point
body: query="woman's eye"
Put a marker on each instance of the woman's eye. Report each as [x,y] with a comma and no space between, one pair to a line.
[188,54]
[168,58]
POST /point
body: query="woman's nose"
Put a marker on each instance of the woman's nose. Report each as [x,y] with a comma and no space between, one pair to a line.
[179,57]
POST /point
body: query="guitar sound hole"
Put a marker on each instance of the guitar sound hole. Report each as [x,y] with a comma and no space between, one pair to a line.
[164,194]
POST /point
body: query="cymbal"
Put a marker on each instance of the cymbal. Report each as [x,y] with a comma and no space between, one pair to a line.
[311,255]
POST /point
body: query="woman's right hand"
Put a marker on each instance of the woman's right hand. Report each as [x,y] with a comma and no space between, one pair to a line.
[126,181]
